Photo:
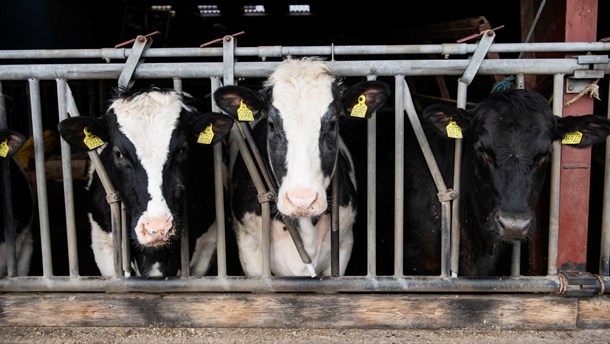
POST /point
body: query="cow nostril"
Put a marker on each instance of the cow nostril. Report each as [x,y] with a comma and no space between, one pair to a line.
[513,227]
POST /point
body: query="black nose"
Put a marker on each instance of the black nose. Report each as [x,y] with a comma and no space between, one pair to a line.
[513,226]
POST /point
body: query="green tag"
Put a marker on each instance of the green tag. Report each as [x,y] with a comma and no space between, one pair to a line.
[91,140]
[572,138]
[205,136]
[359,110]
[4,148]
[243,113]
[453,130]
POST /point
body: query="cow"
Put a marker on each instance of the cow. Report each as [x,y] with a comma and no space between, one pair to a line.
[507,146]
[154,145]
[296,116]
[22,200]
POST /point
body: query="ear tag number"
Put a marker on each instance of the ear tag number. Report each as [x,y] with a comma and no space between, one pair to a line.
[206,135]
[453,130]
[359,110]
[243,113]
[91,140]
[572,138]
[4,148]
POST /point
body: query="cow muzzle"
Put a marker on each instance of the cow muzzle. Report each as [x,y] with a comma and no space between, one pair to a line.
[513,227]
[155,231]
[302,202]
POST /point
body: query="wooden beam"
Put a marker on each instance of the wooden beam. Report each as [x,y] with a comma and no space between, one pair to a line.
[296,310]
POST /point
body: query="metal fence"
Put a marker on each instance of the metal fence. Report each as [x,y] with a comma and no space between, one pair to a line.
[211,67]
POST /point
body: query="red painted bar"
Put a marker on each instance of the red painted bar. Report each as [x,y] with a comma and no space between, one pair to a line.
[580,26]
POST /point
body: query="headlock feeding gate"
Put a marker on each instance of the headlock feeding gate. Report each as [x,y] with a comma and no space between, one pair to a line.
[369,297]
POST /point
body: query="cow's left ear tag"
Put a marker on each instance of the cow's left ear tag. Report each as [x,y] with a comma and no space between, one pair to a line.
[91,140]
[453,130]
[359,110]
[206,135]
[572,138]
[243,113]
[4,148]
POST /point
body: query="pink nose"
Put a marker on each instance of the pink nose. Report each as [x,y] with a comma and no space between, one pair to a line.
[301,199]
[157,229]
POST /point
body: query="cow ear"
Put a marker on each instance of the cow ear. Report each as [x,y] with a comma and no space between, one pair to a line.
[211,127]
[582,131]
[364,98]
[10,142]
[447,121]
[241,103]
[83,133]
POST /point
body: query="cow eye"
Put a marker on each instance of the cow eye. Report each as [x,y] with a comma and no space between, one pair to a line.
[541,159]
[332,125]
[270,125]
[119,156]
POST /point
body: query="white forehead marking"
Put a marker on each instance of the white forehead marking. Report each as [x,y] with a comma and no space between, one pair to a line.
[148,121]
[302,90]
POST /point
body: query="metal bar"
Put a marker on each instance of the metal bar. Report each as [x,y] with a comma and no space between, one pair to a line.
[387,284]
[125,245]
[334,232]
[5,177]
[399,175]
[455,205]
[66,164]
[185,259]
[221,247]
[558,80]
[135,58]
[41,178]
[107,54]
[438,181]
[371,199]
[515,266]
[451,67]
[604,251]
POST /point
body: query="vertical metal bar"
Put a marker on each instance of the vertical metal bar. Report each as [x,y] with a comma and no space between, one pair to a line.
[604,251]
[185,267]
[221,247]
[5,177]
[66,164]
[334,233]
[455,206]
[399,190]
[515,267]
[371,187]
[558,80]
[125,245]
[41,179]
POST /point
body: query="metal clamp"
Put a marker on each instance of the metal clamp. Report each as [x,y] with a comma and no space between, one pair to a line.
[140,44]
[266,197]
[579,284]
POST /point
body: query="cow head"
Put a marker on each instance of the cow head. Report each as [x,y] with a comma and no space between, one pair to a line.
[144,140]
[507,144]
[10,142]
[302,104]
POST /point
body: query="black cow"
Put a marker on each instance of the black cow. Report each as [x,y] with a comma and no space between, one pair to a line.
[152,153]
[22,201]
[507,144]
[297,133]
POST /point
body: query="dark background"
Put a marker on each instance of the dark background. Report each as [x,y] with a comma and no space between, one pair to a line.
[69,24]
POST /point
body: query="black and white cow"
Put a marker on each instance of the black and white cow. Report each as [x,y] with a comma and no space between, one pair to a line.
[22,201]
[507,145]
[297,132]
[152,156]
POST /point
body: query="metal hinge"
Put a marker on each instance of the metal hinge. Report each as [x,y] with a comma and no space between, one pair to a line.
[580,284]
[584,77]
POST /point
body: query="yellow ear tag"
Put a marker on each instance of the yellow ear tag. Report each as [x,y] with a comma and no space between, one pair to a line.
[206,135]
[91,140]
[243,113]
[4,148]
[453,130]
[572,138]
[359,110]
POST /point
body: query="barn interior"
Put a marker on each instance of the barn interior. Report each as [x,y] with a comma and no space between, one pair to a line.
[74,24]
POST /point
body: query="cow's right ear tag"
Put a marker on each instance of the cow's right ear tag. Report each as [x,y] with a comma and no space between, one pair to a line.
[243,113]
[206,135]
[572,138]
[453,130]
[91,140]
[4,148]
[359,110]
